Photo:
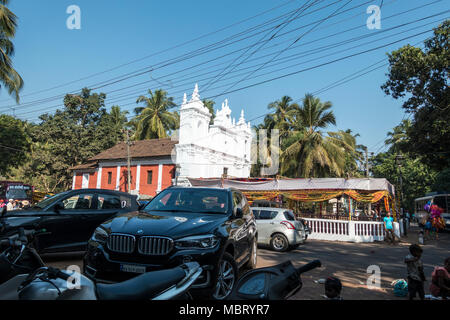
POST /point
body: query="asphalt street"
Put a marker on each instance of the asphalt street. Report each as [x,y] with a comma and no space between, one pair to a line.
[347,261]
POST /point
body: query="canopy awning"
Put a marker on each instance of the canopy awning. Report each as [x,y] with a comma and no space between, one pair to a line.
[360,184]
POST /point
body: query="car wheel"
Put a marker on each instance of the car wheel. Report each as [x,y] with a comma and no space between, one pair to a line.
[251,264]
[226,278]
[279,242]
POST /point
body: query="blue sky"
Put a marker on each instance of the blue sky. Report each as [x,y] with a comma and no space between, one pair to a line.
[116,32]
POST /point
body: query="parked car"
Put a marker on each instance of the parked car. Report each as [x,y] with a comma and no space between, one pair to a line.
[279,228]
[69,217]
[212,226]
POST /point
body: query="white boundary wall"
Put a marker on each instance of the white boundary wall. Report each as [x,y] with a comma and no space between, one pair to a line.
[349,231]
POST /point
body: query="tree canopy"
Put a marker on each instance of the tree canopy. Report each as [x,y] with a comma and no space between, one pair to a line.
[420,77]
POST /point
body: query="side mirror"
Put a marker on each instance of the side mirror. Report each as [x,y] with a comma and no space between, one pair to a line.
[238,213]
[58,207]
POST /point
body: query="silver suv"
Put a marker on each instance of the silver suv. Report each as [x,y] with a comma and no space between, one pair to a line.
[278,228]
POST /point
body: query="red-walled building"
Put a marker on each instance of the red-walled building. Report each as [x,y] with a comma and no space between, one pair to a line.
[152,168]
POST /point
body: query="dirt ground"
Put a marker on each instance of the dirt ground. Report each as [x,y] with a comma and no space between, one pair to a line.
[347,261]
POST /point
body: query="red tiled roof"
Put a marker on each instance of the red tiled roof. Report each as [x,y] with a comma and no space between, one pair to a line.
[139,149]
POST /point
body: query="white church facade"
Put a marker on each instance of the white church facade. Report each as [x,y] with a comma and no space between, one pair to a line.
[207,150]
[198,150]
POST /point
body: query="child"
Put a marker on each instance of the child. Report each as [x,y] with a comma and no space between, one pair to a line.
[416,277]
[333,287]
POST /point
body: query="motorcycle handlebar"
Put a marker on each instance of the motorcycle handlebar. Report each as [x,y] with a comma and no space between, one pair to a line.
[58,273]
[20,237]
[309,266]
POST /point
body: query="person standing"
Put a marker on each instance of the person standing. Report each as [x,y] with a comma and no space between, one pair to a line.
[389,227]
[416,276]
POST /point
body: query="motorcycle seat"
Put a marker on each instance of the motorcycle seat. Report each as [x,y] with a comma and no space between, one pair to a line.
[142,287]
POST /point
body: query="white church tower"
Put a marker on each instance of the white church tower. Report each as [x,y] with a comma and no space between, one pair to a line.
[209,151]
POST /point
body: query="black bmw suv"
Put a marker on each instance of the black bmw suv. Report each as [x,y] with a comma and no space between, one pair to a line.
[212,226]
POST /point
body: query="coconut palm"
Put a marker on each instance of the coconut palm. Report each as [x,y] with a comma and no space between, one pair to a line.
[155,120]
[210,105]
[9,77]
[307,152]
[399,138]
[283,115]
[119,117]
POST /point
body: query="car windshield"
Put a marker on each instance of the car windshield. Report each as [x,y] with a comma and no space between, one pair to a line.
[190,200]
[44,203]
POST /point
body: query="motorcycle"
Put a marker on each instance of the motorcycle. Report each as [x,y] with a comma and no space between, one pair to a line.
[279,282]
[19,257]
[24,276]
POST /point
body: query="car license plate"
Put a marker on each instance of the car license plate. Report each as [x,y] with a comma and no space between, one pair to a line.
[132,268]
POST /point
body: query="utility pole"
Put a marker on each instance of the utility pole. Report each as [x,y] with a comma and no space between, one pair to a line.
[128,160]
[369,206]
[399,159]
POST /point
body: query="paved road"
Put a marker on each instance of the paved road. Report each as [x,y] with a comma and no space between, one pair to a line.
[347,261]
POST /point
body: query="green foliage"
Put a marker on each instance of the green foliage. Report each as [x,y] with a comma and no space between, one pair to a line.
[155,120]
[9,77]
[68,138]
[210,105]
[306,151]
[442,182]
[417,178]
[14,142]
[420,77]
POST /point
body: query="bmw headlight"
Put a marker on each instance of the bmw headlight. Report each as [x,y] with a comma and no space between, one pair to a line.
[100,235]
[208,241]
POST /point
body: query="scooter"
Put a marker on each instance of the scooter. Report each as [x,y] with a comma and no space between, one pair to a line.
[279,282]
[24,276]
[53,284]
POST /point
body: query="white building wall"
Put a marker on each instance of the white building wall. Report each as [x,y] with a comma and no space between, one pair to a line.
[203,150]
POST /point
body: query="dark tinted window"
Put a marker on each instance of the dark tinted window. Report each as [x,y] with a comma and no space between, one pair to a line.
[289,215]
[79,202]
[108,201]
[190,200]
[255,213]
[441,202]
[267,215]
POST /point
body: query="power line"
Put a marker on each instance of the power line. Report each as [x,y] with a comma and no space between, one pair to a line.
[332,35]
[159,52]
[320,49]
[279,27]
[165,63]
[153,68]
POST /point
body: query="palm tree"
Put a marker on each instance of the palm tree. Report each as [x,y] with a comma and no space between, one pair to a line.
[399,138]
[210,105]
[155,120]
[306,151]
[8,76]
[118,117]
[283,115]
